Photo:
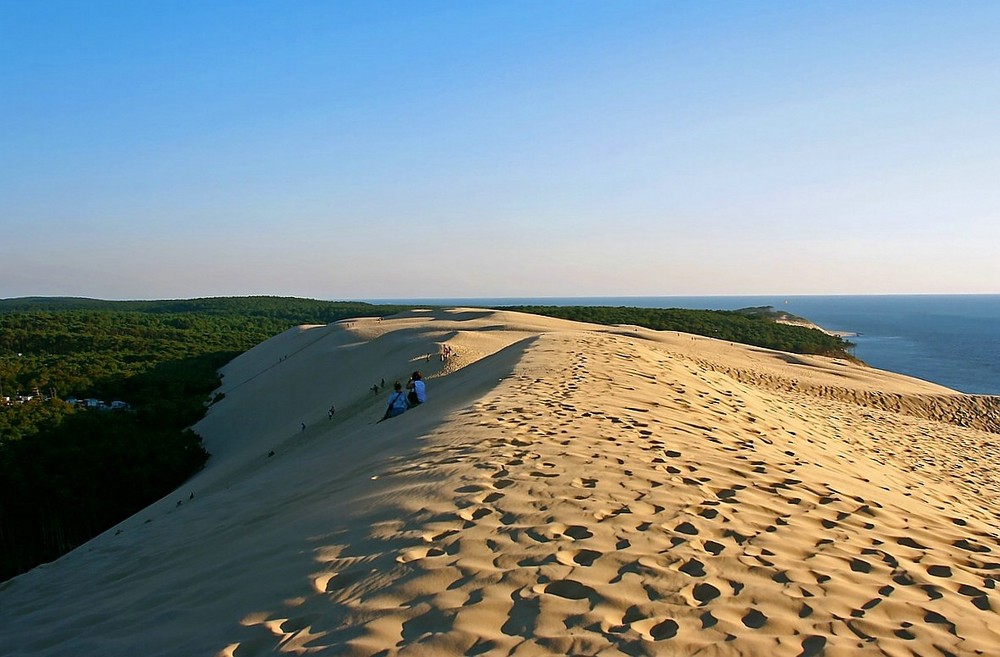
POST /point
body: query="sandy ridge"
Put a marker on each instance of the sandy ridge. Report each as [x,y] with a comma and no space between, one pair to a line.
[976,411]
[714,540]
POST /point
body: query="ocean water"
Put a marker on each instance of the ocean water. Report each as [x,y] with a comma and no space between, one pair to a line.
[952,340]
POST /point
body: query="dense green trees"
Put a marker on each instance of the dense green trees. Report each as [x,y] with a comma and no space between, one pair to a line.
[67,474]
[75,478]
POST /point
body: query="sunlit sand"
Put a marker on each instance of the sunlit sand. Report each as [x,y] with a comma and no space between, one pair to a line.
[567,489]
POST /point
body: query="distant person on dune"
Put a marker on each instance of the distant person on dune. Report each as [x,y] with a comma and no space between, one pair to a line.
[417,388]
[397,402]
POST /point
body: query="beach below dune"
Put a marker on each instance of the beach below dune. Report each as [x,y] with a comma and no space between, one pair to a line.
[567,489]
[791,320]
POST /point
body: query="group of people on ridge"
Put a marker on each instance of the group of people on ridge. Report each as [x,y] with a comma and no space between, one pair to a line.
[400,402]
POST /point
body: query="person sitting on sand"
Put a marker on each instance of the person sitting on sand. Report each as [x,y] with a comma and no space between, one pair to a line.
[397,403]
[417,388]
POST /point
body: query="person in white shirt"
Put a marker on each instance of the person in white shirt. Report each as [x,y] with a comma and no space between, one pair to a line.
[417,388]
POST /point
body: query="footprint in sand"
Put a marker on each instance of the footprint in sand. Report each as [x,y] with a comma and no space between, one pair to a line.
[904,633]
[686,528]
[415,554]
[433,537]
[939,571]
[936,618]
[657,631]
[576,532]
[329,582]
[472,488]
[522,616]
[968,544]
[471,515]
[980,602]
[703,593]
[694,568]
[932,592]
[754,619]
[727,495]
[546,475]
[578,557]
[910,543]
[569,589]
[812,646]
[860,566]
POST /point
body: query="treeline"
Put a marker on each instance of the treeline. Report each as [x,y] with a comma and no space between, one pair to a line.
[67,474]
[93,347]
[756,328]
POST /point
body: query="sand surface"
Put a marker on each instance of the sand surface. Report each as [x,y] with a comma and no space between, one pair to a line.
[567,490]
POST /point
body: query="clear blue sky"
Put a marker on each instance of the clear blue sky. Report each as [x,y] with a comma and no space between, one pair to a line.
[436,149]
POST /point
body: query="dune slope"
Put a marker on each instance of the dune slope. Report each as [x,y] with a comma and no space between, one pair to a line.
[568,489]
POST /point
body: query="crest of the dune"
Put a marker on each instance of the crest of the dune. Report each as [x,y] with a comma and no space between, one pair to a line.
[567,489]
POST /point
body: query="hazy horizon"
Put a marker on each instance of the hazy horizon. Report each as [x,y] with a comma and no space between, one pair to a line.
[452,150]
[492,298]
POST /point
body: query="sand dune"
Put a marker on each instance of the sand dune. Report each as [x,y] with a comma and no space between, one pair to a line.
[568,489]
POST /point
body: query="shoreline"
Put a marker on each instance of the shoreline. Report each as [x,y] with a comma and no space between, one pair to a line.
[805,323]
